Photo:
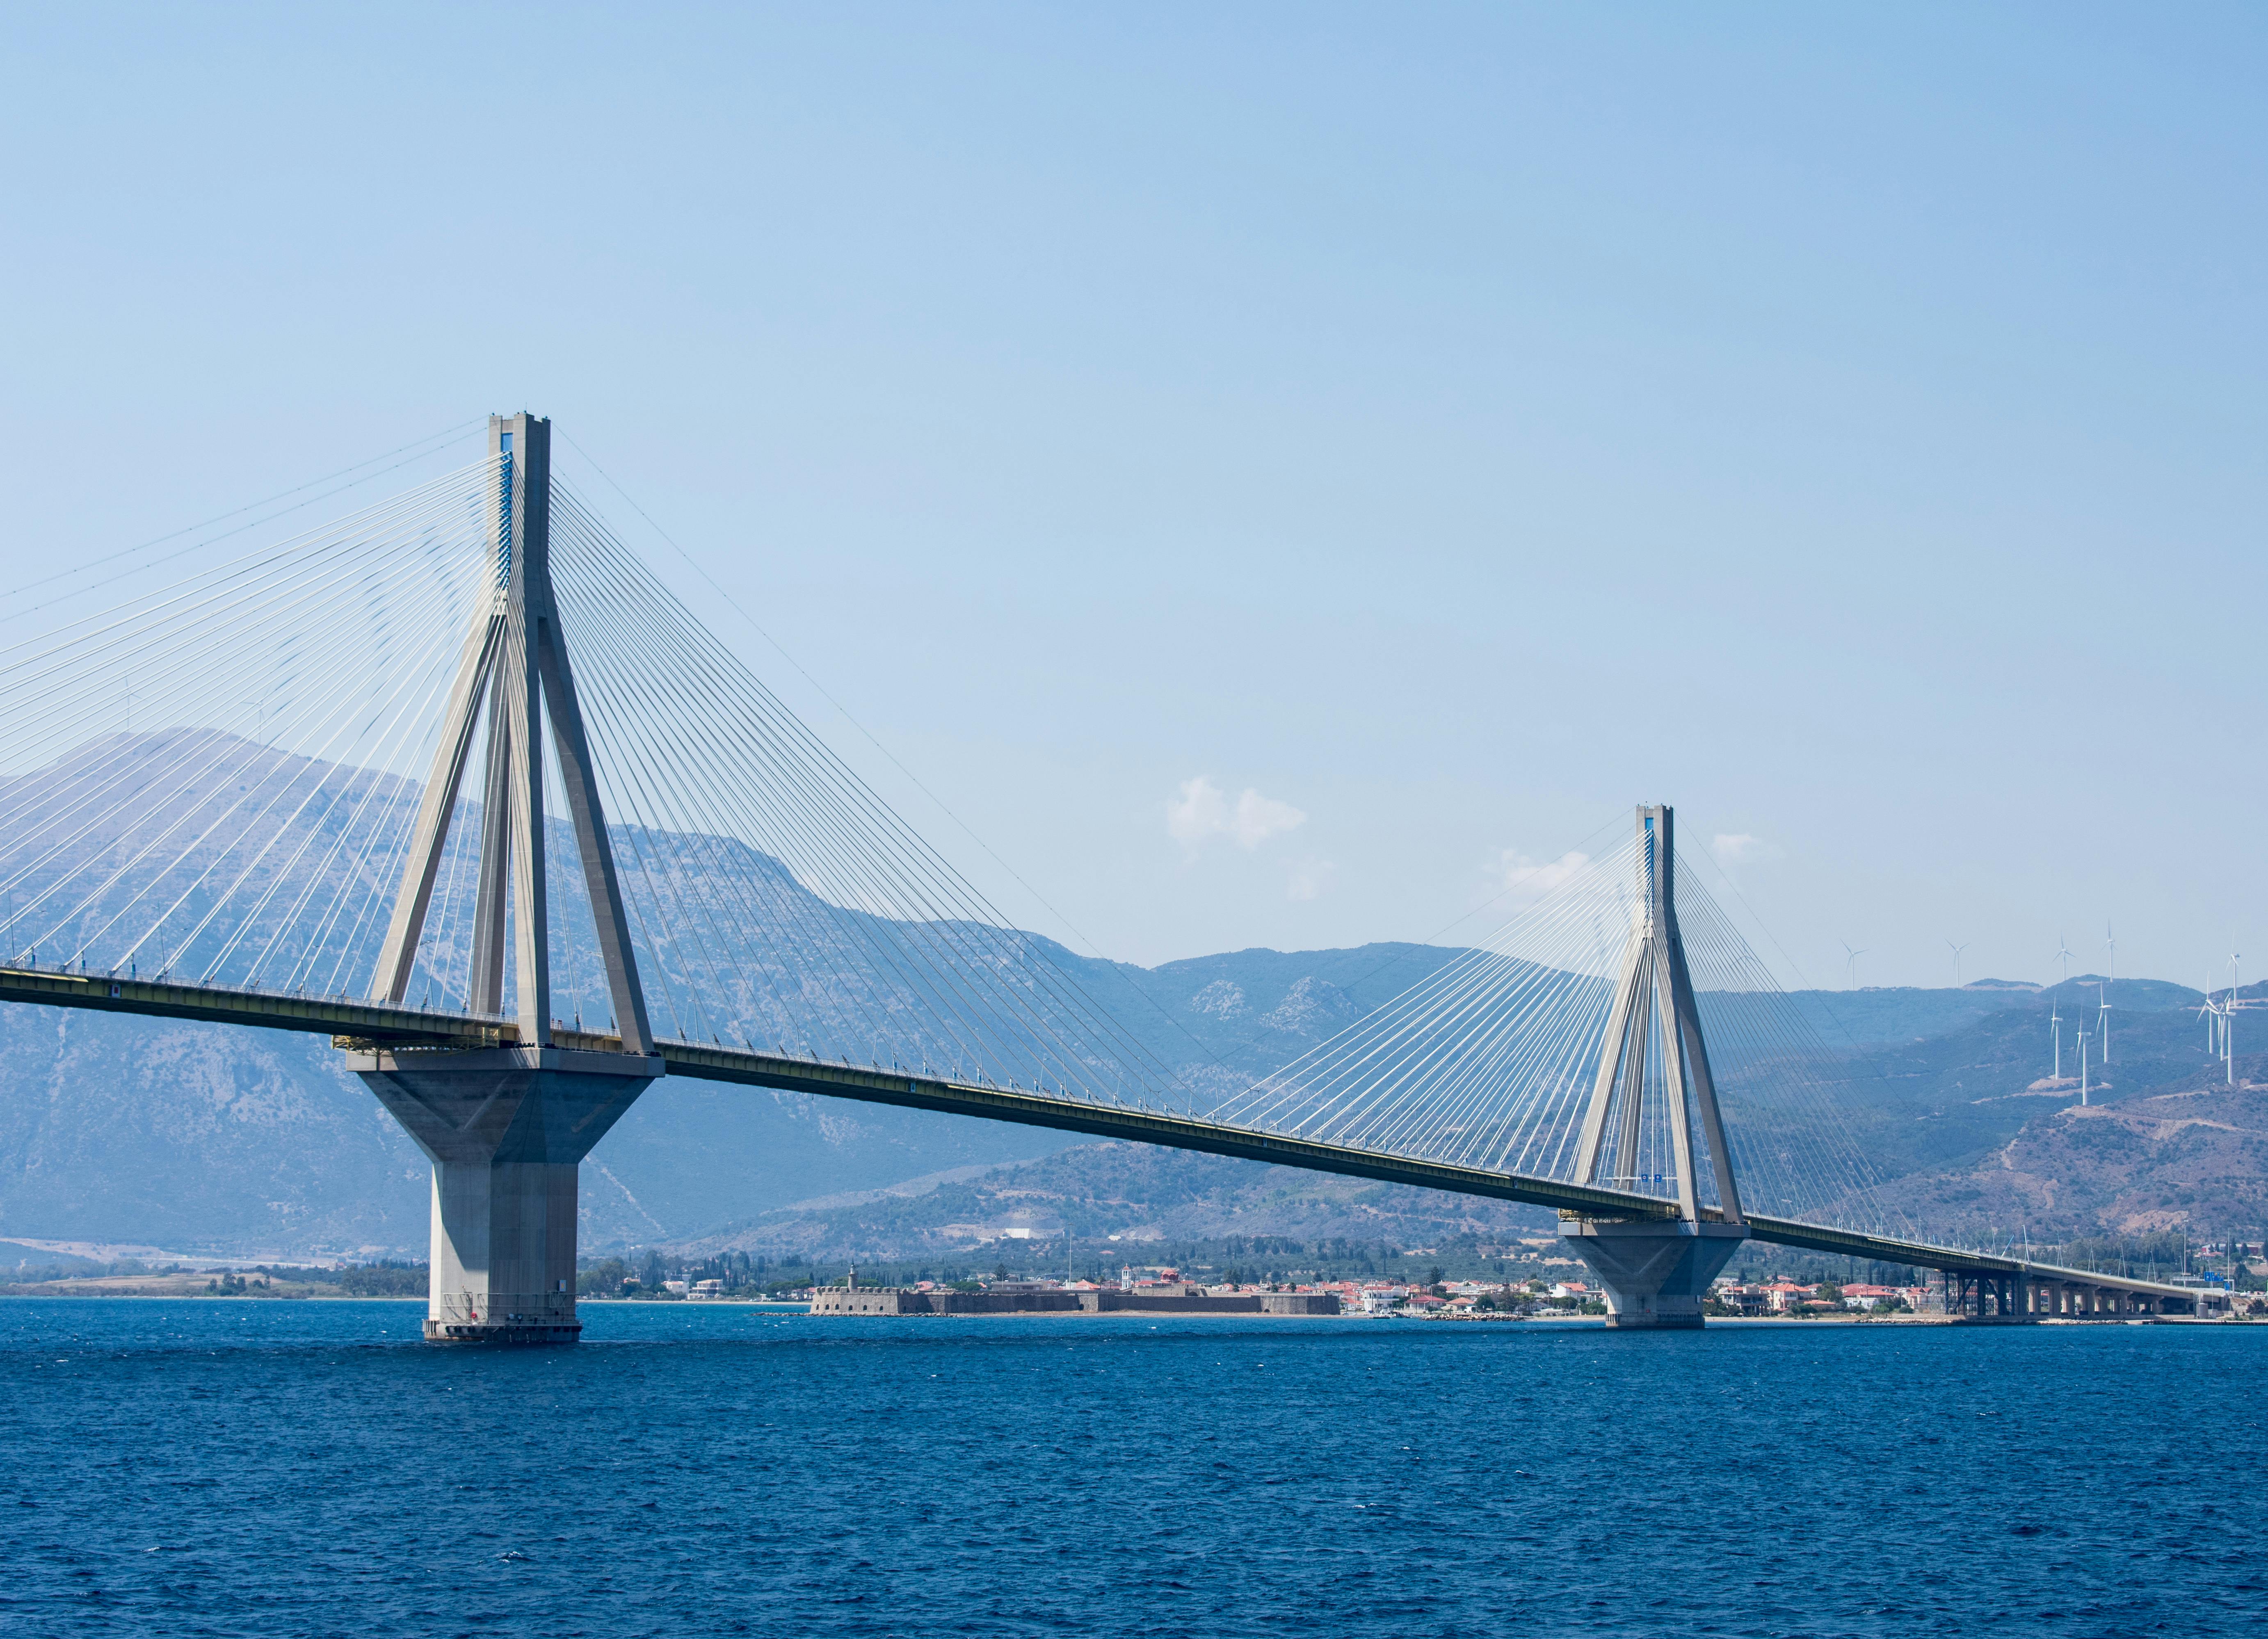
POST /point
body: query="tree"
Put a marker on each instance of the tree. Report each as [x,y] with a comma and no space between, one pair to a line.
[384,1280]
[603,1278]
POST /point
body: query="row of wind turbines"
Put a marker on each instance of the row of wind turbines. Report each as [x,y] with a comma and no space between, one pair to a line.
[2220,1036]
[2064,955]
[2218,1016]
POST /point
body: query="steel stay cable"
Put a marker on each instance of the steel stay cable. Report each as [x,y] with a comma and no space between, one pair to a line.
[81,569]
[334,766]
[638,682]
[1578,850]
[1494,1082]
[294,765]
[1491,1008]
[1167,1077]
[372,781]
[427,499]
[901,837]
[266,752]
[886,953]
[665,822]
[1538,958]
[1856,1052]
[460,820]
[278,762]
[249,753]
[1790,1046]
[1413,1015]
[596,701]
[241,663]
[1445,984]
[822,822]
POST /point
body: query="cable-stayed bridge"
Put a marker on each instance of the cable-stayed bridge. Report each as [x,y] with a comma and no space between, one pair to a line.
[457,782]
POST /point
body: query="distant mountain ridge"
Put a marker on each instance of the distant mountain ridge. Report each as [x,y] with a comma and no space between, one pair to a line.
[121,1129]
[192,1136]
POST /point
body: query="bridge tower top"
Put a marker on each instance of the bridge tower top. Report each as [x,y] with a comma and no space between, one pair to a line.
[514,675]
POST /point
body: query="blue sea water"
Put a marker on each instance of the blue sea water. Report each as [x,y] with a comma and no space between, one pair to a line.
[262,1467]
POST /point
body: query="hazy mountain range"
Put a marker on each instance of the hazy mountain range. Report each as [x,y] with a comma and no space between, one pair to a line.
[201,1138]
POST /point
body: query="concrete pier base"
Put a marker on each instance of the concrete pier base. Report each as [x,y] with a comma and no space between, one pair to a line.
[1655,1271]
[506,1130]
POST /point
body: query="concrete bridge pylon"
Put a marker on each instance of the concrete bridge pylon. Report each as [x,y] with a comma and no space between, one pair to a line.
[1653,1080]
[506,1128]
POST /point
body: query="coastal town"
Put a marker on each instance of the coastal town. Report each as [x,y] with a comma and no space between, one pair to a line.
[2233,1292]
[1164,1289]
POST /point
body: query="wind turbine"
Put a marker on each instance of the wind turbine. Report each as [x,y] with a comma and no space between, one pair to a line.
[1956,949]
[2063,954]
[2083,1064]
[1851,966]
[2229,1021]
[2102,1021]
[2055,1028]
[2102,990]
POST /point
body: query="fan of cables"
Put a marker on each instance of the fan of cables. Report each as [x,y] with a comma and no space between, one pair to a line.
[777,902]
[1491,1062]
[215,781]
[218,781]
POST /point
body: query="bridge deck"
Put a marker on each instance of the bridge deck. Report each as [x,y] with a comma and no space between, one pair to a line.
[370,1025]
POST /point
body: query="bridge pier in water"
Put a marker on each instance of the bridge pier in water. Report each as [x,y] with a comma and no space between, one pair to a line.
[1654,1074]
[1656,1272]
[506,1130]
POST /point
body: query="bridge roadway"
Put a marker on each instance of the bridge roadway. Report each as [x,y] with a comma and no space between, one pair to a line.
[365,1026]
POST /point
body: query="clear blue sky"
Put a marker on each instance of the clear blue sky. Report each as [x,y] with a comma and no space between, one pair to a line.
[1449,425]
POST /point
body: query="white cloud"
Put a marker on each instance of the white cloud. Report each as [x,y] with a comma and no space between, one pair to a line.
[1516,873]
[1198,812]
[1202,810]
[1259,818]
[1740,848]
[1310,877]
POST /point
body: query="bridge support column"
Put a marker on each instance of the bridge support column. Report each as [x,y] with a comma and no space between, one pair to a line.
[1653,1081]
[1655,1271]
[506,1130]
